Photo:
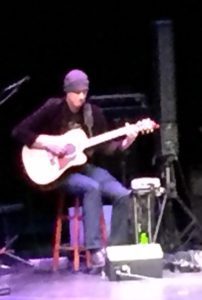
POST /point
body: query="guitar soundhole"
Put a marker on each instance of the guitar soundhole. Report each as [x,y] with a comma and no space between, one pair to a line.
[70,154]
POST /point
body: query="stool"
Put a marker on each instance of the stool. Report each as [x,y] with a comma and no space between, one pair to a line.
[144,191]
[76,248]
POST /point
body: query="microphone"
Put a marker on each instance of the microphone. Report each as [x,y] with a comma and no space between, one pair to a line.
[17,83]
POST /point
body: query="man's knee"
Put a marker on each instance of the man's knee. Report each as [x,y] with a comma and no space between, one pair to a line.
[92,186]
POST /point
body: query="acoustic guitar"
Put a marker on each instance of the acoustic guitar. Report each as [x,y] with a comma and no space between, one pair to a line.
[44,168]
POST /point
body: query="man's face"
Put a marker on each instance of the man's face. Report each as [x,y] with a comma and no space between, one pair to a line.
[76,99]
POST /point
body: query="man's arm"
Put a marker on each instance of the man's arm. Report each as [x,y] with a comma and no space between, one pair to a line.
[122,144]
[115,145]
[28,132]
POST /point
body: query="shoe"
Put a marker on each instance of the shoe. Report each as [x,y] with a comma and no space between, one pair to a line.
[98,258]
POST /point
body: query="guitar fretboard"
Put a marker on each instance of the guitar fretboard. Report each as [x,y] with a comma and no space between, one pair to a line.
[105,137]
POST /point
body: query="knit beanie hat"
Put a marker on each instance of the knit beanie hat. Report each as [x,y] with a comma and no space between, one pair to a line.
[75,81]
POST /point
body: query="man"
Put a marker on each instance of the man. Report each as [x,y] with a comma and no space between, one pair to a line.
[57,116]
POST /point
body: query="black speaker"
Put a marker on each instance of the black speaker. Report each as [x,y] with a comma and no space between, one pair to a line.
[130,262]
[164,93]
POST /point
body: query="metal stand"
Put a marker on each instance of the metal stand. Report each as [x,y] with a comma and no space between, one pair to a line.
[6,251]
[6,94]
[11,89]
[142,203]
[169,178]
[145,191]
[9,241]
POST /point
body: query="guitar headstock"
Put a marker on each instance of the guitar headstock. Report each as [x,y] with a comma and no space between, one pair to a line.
[146,125]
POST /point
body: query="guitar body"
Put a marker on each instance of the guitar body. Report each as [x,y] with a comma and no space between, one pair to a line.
[43,167]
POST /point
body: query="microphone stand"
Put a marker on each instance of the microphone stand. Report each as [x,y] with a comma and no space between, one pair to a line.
[14,91]
[5,250]
[13,88]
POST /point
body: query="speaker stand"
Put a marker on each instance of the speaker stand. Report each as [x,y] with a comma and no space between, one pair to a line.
[170,183]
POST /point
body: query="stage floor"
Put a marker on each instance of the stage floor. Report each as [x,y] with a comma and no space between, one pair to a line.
[31,285]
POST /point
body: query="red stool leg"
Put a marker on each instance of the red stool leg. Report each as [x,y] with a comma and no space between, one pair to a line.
[58,233]
[76,262]
[103,229]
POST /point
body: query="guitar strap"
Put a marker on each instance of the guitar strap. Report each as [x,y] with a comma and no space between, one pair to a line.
[88,117]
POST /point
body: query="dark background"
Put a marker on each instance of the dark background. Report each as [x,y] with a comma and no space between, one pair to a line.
[113,44]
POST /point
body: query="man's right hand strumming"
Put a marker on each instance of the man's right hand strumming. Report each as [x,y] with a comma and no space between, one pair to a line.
[57,150]
[53,144]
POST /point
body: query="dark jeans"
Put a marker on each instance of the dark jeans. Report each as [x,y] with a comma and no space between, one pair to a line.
[92,184]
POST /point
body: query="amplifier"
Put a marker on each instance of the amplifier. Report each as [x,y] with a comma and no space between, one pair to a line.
[134,262]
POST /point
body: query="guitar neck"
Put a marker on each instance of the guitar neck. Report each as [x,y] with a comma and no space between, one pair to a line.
[105,137]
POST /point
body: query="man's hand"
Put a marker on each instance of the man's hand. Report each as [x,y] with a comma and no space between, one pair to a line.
[132,131]
[56,145]
[132,134]
[57,150]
